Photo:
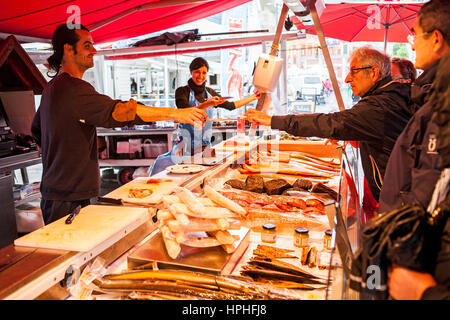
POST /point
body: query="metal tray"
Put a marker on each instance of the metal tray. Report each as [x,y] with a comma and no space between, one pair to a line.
[211,260]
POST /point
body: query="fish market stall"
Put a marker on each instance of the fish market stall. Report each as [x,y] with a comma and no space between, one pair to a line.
[254,226]
[238,258]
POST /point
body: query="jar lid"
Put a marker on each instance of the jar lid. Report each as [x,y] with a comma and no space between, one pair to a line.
[328,232]
[269,226]
[301,230]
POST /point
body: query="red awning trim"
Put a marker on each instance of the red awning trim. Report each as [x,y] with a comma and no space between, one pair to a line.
[158,54]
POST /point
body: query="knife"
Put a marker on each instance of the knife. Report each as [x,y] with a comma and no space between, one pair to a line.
[110,200]
[120,202]
[73,214]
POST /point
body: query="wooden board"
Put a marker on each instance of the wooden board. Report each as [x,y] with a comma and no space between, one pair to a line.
[91,227]
[159,190]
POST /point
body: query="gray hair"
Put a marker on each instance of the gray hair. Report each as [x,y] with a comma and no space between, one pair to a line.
[368,56]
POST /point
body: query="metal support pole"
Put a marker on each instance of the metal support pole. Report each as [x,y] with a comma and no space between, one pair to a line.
[326,55]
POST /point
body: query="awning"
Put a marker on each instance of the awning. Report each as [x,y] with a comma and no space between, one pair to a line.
[183,48]
[108,20]
[17,70]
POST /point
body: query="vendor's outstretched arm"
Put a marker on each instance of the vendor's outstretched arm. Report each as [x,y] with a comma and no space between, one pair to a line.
[194,116]
[243,102]
[211,102]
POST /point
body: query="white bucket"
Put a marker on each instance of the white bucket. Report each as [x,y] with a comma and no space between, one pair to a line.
[147,147]
[152,150]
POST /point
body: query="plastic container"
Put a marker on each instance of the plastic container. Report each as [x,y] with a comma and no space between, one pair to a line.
[147,147]
[135,145]
[269,233]
[241,126]
[152,150]
[123,147]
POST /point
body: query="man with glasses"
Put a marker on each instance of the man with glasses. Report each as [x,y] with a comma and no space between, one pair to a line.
[375,121]
[413,168]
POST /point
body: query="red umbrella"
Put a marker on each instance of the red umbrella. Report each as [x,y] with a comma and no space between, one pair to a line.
[109,20]
[366,22]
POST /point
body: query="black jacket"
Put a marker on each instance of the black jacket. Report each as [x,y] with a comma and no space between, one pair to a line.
[182,96]
[441,291]
[375,122]
[413,168]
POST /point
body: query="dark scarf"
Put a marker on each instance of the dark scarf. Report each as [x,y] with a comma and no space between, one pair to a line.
[198,90]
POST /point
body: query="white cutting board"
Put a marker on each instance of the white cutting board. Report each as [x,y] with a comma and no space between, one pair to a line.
[159,189]
[91,227]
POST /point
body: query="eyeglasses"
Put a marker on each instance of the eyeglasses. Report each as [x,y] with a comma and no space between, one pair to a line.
[412,37]
[354,71]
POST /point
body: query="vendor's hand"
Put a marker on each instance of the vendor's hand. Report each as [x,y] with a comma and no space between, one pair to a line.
[194,116]
[258,117]
[215,101]
[406,284]
[257,94]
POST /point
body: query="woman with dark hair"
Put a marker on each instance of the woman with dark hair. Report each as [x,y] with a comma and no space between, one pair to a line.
[196,94]
[402,70]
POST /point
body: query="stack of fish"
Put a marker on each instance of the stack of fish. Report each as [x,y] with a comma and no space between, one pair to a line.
[196,221]
[290,165]
[144,284]
[268,270]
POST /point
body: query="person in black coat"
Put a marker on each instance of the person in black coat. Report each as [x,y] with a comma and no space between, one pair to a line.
[375,121]
[413,167]
[64,125]
[409,284]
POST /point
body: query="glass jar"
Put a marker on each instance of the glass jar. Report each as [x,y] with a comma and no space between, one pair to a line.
[301,237]
[269,233]
[327,239]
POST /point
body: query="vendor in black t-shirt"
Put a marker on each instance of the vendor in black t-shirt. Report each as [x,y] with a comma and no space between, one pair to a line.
[65,124]
[188,140]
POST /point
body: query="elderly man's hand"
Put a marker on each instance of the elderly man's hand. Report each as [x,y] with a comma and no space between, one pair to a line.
[406,284]
[194,116]
[258,117]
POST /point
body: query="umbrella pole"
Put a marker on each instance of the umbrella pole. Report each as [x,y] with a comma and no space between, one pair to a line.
[386,28]
[326,55]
